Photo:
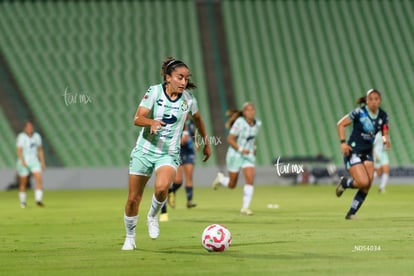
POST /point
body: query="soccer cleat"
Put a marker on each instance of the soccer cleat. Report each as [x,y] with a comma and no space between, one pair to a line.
[351,217]
[23,205]
[191,204]
[171,199]
[164,217]
[246,211]
[381,191]
[216,183]
[40,204]
[129,244]
[153,227]
[340,187]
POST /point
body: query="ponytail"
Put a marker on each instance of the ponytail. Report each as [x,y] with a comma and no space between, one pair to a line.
[232,115]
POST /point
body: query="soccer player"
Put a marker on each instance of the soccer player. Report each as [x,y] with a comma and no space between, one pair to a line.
[30,160]
[187,155]
[381,162]
[367,120]
[161,114]
[241,154]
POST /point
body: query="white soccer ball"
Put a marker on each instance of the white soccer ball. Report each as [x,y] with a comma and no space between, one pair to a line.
[216,238]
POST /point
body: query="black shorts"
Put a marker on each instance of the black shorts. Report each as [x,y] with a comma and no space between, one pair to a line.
[355,158]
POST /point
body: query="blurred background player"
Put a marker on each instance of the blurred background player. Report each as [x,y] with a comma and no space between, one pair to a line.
[30,160]
[381,162]
[161,113]
[187,155]
[367,120]
[241,154]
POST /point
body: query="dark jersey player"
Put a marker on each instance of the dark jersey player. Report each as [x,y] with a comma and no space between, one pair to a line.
[367,121]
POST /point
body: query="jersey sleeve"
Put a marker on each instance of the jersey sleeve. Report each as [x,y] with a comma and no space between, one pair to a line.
[354,114]
[386,119]
[39,139]
[149,98]
[194,106]
[20,141]
[236,127]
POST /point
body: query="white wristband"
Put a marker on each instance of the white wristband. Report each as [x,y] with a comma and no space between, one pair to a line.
[240,149]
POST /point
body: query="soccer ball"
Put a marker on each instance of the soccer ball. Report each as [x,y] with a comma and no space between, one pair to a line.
[216,237]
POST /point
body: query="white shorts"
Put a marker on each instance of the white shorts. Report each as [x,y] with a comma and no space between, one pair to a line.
[235,161]
[33,166]
[381,159]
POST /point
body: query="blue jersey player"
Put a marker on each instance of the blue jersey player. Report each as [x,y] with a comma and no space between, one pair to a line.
[367,121]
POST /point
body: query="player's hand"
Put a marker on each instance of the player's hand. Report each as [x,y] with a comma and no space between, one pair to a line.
[206,152]
[43,166]
[156,126]
[387,144]
[345,149]
[245,151]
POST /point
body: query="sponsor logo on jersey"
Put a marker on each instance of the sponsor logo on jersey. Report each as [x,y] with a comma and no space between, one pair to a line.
[169,119]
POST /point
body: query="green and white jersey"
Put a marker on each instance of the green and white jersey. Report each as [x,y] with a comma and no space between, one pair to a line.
[171,112]
[245,133]
[29,146]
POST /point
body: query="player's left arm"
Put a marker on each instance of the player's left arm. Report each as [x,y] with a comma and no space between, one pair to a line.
[386,137]
[41,156]
[199,124]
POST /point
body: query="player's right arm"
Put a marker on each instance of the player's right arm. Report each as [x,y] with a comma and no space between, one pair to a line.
[20,156]
[344,122]
[19,146]
[141,119]
[232,140]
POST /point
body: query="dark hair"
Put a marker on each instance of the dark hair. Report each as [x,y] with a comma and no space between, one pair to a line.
[28,121]
[363,100]
[234,114]
[169,65]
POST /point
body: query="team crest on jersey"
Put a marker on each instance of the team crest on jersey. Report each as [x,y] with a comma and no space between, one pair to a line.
[184,106]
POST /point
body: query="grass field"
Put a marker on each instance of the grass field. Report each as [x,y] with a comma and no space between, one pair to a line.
[81,233]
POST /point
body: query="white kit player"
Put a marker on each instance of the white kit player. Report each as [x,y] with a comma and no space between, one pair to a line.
[241,154]
[30,160]
[162,114]
[381,162]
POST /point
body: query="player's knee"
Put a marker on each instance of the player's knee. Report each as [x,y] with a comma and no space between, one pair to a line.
[132,202]
[365,183]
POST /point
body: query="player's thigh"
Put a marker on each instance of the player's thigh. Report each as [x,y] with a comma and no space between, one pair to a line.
[164,176]
[369,167]
[360,175]
[165,171]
